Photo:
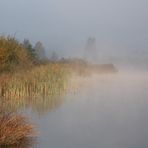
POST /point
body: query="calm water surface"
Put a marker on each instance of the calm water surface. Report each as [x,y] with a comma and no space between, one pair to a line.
[108,111]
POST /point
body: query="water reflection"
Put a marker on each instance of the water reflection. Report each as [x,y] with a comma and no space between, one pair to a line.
[40,105]
[44,105]
[109,112]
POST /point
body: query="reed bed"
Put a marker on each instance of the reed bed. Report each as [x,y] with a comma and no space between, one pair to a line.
[44,80]
[15,129]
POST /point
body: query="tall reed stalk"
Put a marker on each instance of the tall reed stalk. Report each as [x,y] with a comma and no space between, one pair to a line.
[44,80]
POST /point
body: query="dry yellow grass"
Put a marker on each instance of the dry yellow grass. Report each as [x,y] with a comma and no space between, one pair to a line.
[43,80]
[14,129]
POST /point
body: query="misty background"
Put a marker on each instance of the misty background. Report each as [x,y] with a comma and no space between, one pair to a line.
[120,28]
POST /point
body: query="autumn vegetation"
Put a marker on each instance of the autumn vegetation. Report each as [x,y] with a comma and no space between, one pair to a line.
[24,75]
[23,72]
[15,129]
[12,55]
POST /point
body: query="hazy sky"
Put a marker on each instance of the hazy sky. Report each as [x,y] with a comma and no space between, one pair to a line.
[65,25]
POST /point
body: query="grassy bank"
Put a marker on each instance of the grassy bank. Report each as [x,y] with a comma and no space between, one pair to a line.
[28,87]
[43,80]
[26,80]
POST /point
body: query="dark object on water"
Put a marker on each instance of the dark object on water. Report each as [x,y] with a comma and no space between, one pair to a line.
[103,68]
[88,69]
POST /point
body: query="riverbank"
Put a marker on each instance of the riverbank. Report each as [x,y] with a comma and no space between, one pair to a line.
[42,80]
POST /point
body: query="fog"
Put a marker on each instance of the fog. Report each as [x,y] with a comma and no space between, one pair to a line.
[107,111]
[95,93]
[119,27]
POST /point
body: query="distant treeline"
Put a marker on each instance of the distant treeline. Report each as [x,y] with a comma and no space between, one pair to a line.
[16,55]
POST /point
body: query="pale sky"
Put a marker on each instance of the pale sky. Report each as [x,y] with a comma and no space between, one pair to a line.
[119,26]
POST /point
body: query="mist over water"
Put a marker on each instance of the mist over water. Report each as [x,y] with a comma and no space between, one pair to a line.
[107,111]
[99,110]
